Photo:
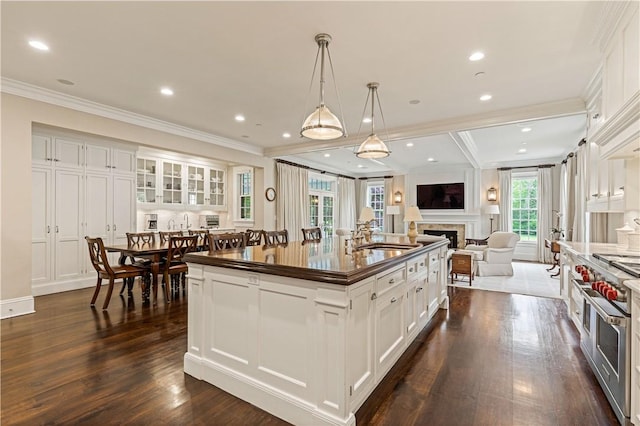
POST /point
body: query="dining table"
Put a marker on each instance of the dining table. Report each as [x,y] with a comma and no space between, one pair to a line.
[155,252]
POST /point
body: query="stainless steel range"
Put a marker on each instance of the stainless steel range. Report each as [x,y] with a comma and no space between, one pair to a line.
[605,338]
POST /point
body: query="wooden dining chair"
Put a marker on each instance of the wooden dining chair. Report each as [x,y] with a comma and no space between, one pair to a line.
[254,237]
[274,238]
[127,273]
[231,240]
[311,234]
[138,238]
[203,239]
[165,235]
[175,269]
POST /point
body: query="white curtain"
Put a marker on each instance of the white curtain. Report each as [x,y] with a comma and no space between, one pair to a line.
[346,203]
[388,201]
[361,195]
[580,194]
[504,221]
[292,186]
[545,213]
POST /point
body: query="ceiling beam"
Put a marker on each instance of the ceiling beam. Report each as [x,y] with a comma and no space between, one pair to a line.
[496,118]
[468,146]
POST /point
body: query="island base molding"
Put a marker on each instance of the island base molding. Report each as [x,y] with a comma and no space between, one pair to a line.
[274,401]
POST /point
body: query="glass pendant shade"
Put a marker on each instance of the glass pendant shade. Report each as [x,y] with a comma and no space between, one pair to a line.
[322,124]
[372,147]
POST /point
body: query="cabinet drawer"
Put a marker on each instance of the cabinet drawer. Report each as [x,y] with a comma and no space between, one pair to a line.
[416,266]
[390,279]
[422,264]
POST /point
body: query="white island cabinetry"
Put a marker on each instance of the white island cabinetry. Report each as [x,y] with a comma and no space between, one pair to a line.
[307,351]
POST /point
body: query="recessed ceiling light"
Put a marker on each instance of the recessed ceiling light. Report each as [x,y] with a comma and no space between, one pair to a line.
[360,166]
[525,129]
[166,91]
[485,97]
[414,101]
[522,150]
[409,144]
[239,117]
[36,44]
[431,159]
[366,120]
[327,155]
[286,135]
[476,56]
[66,82]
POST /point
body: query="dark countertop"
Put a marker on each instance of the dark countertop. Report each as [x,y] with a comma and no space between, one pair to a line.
[324,261]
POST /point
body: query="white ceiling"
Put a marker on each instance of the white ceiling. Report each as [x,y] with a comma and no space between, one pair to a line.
[256,58]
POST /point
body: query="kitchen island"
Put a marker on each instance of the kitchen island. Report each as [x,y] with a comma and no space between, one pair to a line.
[307,331]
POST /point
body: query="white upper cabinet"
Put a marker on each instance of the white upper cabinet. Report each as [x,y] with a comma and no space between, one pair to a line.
[57,151]
[110,158]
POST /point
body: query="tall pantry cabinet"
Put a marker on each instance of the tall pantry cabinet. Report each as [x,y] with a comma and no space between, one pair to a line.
[79,188]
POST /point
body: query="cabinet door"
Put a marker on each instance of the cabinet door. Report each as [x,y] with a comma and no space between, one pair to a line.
[389,330]
[98,158]
[195,186]
[41,220]
[171,183]
[616,177]
[68,224]
[41,147]
[216,187]
[360,342]
[124,208]
[422,305]
[98,192]
[146,180]
[410,312]
[68,153]
[123,160]
[433,291]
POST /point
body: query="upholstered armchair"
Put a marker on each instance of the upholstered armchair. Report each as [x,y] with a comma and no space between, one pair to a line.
[495,257]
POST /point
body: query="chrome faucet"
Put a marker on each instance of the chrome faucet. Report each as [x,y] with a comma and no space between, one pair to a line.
[186,217]
[169,224]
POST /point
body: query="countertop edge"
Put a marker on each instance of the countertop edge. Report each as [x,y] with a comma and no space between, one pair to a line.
[328,277]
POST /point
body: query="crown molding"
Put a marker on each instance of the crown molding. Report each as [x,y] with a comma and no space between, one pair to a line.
[470,122]
[611,14]
[468,146]
[29,91]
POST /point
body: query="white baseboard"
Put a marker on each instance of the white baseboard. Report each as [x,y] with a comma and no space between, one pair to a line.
[60,286]
[16,307]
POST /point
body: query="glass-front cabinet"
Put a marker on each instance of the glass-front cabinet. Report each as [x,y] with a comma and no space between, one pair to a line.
[146,180]
[195,186]
[171,182]
[216,187]
[167,182]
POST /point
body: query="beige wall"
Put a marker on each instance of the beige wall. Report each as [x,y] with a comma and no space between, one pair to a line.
[17,116]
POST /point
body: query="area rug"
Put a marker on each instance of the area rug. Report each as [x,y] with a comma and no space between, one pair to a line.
[528,278]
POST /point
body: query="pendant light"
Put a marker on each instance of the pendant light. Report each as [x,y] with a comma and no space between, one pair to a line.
[322,124]
[373,147]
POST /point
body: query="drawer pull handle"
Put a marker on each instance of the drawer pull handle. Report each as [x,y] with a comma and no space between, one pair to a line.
[394,300]
[392,280]
[418,290]
[374,296]
[410,269]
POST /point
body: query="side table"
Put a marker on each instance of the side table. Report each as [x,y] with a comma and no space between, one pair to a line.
[462,264]
[555,249]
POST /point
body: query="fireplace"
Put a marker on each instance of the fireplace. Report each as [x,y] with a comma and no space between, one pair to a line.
[455,232]
[451,235]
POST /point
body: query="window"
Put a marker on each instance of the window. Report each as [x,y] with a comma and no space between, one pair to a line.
[245,186]
[375,200]
[524,205]
[321,201]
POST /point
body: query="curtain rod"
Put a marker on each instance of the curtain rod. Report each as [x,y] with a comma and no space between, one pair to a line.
[539,166]
[375,177]
[323,172]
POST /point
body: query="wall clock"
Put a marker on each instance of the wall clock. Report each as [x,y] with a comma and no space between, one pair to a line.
[270,194]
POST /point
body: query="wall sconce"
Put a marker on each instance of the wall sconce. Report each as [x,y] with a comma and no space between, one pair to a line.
[492,194]
[397,197]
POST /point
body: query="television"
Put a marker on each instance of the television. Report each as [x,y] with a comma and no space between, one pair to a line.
[449,196]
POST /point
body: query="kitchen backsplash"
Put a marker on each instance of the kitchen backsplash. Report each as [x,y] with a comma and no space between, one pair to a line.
[169,219]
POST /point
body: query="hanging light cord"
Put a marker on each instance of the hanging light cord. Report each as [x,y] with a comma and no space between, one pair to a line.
[384,124]
[335,88]
[364,110]
[313,74]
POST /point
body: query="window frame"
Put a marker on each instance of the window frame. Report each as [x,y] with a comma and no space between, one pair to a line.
[526,237]
[239,174]
[379,207]
[326,188]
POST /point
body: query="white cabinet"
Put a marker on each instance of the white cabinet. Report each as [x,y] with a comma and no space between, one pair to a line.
[416,312]
[109,157]
[57,215]
[73,196]
[635,358]
[360,343]
[49,150]
[177,183]
[606,182]
[389,330]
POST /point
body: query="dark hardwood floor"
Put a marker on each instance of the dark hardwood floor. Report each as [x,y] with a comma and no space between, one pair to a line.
[493,359]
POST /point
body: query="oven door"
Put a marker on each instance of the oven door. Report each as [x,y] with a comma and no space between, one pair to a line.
[612,357]
[587,320]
